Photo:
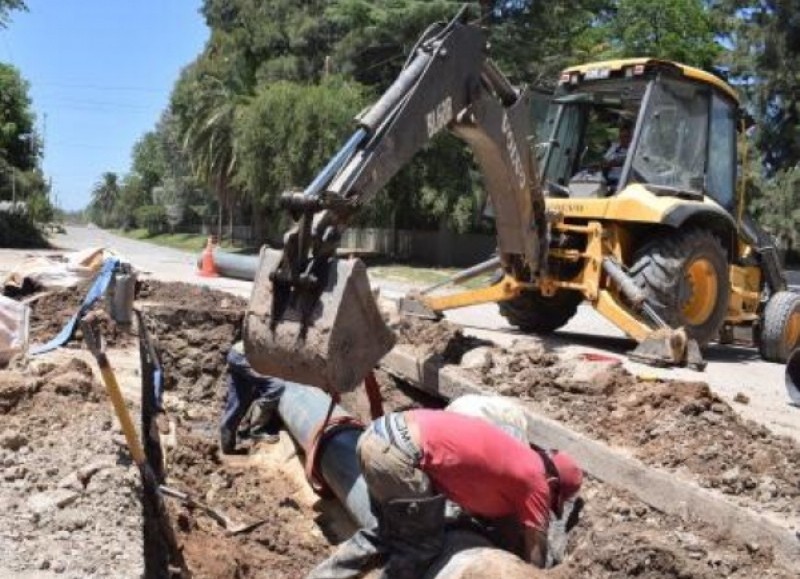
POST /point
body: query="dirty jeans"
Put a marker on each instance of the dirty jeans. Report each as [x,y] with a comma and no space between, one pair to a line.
[246,387]
[389,472]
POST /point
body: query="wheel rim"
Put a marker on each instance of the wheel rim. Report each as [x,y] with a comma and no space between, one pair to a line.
[702,286]
[792,333]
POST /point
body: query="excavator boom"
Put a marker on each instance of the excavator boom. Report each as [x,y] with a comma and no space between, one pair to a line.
[312,317]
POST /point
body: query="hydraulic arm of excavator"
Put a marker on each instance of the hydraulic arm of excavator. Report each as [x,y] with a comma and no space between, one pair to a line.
[312,318]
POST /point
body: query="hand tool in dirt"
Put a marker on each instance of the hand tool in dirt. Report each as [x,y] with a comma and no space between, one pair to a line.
[149,481]
[216,514]
[94,343]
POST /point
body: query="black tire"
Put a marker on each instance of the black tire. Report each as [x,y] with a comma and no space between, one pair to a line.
[534,313]
[779,330]
[666,267]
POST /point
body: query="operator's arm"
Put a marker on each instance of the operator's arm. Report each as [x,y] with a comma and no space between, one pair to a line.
[535,546]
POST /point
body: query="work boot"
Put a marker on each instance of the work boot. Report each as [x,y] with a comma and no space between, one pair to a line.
[413,530]
[227,440]
[355,557]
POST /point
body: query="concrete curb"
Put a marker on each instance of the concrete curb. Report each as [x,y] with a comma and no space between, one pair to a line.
[661,490]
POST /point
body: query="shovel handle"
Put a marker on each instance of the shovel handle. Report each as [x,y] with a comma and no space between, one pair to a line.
[114,393]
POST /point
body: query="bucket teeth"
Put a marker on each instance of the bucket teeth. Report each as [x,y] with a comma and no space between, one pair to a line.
[668,347]
[332,344]
[412,305]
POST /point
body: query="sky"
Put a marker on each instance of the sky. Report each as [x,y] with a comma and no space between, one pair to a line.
[100,74]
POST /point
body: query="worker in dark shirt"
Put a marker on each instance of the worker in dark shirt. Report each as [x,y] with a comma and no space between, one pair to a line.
[248,391]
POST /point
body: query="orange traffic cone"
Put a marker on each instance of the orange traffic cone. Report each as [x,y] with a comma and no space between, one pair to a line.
[207,266]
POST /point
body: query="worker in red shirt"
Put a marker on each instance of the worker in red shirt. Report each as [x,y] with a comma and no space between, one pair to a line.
[413,461]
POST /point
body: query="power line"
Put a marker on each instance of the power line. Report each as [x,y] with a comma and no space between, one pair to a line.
[93,103]
[98,87]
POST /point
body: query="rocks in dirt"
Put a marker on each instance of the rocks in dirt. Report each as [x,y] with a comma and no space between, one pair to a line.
[193,346]
[43,502]
[442,338]
[741,398]
[13,440]
[44,495]
[478,359]
[13,389]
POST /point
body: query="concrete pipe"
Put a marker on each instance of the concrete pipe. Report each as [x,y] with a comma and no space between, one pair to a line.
[233,265]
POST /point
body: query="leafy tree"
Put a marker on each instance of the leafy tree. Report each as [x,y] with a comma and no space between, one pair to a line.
[133,193]
[777,207]
[6,7]
[532,40]
[148,161]
[681,30]
[153,218]
[765,62]
[296,128]
[19,145]
[205,102]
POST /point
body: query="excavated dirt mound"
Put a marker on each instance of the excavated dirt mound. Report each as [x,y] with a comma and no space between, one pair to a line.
[69,496]
[288,544]
[442,339]
[188,296]
[619,536]
[193,345]
[52,310]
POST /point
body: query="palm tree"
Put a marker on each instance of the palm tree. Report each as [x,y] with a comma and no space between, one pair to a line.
[105,194]
[208,139]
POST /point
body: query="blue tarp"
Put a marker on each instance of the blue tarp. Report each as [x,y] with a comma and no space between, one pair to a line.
[95,292]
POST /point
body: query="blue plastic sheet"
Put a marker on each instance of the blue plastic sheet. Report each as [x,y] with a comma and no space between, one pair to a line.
[95,292]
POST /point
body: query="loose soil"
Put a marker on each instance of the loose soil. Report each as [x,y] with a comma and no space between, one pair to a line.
[69,497]
[51,311]
[187,296]
[57,429]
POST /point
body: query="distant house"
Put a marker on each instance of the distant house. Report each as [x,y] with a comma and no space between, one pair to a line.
[13,207]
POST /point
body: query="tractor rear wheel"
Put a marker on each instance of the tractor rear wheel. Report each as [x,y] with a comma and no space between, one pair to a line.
[780,327]
[685,277]
[534,313]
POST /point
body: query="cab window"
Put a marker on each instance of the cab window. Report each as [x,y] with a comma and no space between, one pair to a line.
[721,173]
[672,148]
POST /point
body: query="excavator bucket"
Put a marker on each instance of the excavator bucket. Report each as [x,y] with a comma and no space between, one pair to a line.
[669,347]
[333,345]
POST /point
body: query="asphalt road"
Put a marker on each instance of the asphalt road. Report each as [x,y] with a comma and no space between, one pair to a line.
[731,369]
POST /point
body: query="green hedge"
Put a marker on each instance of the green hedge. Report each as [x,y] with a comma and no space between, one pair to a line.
[19,230]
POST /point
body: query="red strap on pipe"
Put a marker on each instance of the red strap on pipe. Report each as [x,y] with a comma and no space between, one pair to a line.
[373,395]
[327,428]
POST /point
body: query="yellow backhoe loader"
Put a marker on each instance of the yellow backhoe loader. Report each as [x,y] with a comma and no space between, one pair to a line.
[656,244]
[667,218]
